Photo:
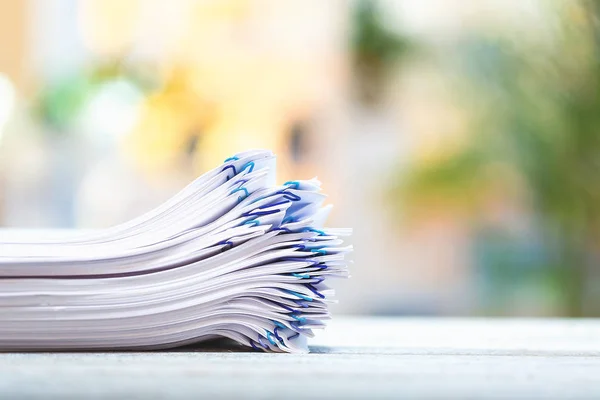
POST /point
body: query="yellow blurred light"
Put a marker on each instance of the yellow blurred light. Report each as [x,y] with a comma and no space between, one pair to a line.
[223,9]
[169,119]
[106,25]
[7,100]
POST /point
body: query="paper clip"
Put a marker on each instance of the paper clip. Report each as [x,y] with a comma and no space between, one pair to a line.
[277,335]
[300,295]
[249,164]
[294,184]
[270,339]
[261,343]
[240,189]
[232,167]
[314,290]
[301,276]
[226,242]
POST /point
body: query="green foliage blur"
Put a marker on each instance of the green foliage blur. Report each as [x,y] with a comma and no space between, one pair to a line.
[63,98]
[375,50]
[533,103]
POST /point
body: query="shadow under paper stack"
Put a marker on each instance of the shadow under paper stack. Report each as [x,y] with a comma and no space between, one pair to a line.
[232,255]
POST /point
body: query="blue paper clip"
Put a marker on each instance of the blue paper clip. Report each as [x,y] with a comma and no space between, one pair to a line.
[301,276]
[314,290]
[300,295]
[233,168]
[261,343]
[277,335]
[295,184]
[320,251]
[320,232]
[240,189]
[292,196]
[278,324]
[249,164]
[296,326]
[299,319]
[279,203]
[290,309]
[288,219]
[259,213]
[270,338]
[301,303]
[226,242]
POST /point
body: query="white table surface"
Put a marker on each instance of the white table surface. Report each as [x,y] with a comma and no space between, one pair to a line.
[353,358]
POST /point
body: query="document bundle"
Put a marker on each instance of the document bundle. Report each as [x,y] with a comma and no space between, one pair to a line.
[232,255]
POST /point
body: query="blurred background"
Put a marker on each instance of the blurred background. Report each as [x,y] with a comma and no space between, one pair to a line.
[459,138]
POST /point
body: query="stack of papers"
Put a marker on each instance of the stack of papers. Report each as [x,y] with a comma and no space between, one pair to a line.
[232,255]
